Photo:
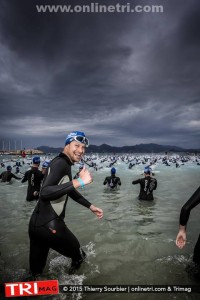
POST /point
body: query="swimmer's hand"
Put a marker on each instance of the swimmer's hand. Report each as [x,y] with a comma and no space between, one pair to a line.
[85,176]
[97,211]
[181,237]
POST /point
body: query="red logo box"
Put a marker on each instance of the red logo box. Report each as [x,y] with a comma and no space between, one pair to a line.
[32,288]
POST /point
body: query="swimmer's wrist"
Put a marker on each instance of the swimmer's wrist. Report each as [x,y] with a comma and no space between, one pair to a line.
[91,207]
[76,183]
[82,184]
[182,228]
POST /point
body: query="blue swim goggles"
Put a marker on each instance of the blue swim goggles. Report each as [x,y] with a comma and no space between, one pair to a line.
[81,139]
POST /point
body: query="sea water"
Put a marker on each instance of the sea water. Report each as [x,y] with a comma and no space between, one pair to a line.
[134,244]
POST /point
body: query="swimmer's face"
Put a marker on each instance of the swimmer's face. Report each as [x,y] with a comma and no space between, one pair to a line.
[75,151]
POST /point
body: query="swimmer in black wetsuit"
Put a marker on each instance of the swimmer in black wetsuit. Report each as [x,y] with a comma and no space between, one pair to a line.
[47,228]
[147,185]
[17,170]
[6,176]
[34,178]
[112,181]
[184,217]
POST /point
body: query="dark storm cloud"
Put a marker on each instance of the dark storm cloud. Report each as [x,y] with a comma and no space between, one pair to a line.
[134,77]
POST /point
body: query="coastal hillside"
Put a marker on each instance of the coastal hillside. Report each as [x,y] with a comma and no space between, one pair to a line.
[141,148]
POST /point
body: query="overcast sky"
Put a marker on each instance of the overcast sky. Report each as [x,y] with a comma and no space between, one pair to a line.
[122,78]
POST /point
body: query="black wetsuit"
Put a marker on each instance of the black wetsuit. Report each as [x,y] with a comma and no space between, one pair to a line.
[6,176]
[34,177]
[47,228]
[112,181]
[184,216]
[147,185]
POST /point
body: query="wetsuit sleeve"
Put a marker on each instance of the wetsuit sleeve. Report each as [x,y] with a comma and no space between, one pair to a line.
[76,196]
[119,181]
[188,206]
[51,189]
[156,184]
[136,181]
[25,178]
[54,192]
[105,181]
[14,176]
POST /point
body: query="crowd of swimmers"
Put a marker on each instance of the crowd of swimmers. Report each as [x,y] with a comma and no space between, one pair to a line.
[38,166]
[52,185]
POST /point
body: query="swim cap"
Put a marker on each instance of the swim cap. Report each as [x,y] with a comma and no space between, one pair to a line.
[113,171]
[78,136]
[36,160]
[45,165]
[147,170]
[9,168]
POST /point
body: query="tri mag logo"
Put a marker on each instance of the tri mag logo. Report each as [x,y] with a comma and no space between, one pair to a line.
[32,288]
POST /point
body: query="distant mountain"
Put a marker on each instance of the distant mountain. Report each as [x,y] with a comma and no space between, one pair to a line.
[141,148]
